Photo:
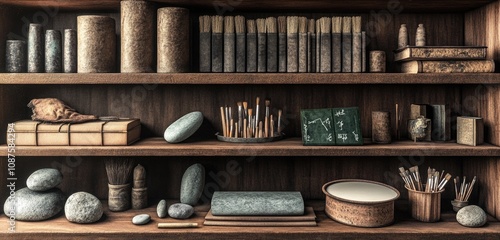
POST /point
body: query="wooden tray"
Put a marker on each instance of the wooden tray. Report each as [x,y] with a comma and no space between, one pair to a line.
[309,215]
[248,140]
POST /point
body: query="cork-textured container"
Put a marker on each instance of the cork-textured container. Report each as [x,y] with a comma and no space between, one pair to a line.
[360,203]
[425,206]
[137,36]
[173,40]
[96,44]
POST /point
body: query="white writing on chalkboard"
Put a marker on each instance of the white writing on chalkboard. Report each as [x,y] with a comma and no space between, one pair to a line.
[341,124]
[327,121]
[340,113]
[356,136]
[342,136]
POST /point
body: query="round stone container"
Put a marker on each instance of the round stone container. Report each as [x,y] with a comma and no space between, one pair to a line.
[96,44]
[360,203]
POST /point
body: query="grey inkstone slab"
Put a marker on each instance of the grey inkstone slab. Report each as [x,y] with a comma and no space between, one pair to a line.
[192,184]
[471,216]
[180,211]
[82,207]
[184,127]
[141,219]
[44,179]
[29,205]
[162,209]
[257,203]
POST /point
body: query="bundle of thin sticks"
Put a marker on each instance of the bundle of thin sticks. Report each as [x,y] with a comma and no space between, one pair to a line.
[435,180]
[242,123]
[463,191]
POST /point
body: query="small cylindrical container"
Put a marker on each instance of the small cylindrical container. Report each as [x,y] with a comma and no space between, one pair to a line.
[119,197]
[377,61]
[70,50]
[420,38]
[403,36]
[173,40]
[96,44]
[139,198]
[15,56]
[35,48]
[457,204]
[381,127]
[53,51]
[137,36]
[425,206]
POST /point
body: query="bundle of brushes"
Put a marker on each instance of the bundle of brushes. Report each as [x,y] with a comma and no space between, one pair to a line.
[244,122]
[435,181]
[119,173]
[463,191]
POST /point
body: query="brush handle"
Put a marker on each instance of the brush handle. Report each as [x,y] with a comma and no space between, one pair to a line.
[177,225]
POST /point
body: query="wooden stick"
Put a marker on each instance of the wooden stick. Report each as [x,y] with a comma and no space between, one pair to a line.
[397,121]
[245,128]
[223,118]
[231,130]
[260,129]
[470,189]
[257,101]
[279,121]
[227,121]
[266,127]
[177,225]
[456,188]
[272,126]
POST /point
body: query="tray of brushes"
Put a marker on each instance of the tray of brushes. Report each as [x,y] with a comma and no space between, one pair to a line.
[246,125]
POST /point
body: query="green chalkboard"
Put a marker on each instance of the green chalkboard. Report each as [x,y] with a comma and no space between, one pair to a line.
[347,126]
[317,127]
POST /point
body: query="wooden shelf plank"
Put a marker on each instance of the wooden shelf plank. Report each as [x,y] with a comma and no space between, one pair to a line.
[285,147]
[248,78]
[119,226]
[323,5]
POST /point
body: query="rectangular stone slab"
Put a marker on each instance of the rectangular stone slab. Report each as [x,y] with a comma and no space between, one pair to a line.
[257,203]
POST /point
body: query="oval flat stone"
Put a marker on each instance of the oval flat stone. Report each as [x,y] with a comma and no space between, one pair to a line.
[44,179]
[183,127]
[471,216]
[34,206]
[141,219]
[192,184]
[82,207]
[161,209]
[180,211]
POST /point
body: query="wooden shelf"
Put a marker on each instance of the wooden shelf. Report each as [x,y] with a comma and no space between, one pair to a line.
[323,5]
[119,226]
[286,147]
[248,78]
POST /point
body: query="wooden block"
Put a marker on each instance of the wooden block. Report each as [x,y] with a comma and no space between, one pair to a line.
[347,126]
[470,131]
[317,127]
[420,110]
[441,123]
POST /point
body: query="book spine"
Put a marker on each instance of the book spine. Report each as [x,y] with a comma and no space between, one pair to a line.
[205,58]
[472,66]
[217,52]
[272,52]
[326,53]
[282,52]
[336,52]
[363,51]
[346,52]
[302,52]
[240,52]
[311,52]
[251,52]
[229,52]
[292,52]
[261,52]
[356,52]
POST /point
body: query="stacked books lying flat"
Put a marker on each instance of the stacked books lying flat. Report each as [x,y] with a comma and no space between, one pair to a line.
[444,59]
[284,44]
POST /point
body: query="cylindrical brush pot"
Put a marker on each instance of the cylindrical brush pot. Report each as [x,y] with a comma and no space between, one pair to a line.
[381,127]
[15,56]
[35,48]
[119,197]
[173,40]
[96,44]
[425,206]
[137,36]
[69,53]
[457,204]
[377,61]
[139,198]
[53,51]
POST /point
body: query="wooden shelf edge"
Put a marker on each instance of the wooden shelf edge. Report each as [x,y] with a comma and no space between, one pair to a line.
[118,226]
[286,147]
[245,78]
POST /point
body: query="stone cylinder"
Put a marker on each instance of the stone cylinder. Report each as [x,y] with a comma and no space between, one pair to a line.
[403,36]
[53,51]
[173,40]
[69,56]
[420,38]
[35,48]
[15,56]
[377,61]
[96,44]
[139,198]
[137,36]
[381,127]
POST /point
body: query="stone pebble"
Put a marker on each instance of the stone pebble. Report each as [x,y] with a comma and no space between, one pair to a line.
[83,207]
[44,179]
[471,216]
[183,127]
[180,211]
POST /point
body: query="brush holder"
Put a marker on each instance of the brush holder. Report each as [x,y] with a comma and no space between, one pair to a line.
[457,204]
[425,206]
[139,198]
[119,197]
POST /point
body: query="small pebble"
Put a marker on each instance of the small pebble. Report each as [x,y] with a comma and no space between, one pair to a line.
[161,209]
[180,211]
[44,179]
[141,219]
[471,216]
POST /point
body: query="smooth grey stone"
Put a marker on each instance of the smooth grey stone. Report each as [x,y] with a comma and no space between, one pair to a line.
[83,207]
[162,209]
[53,51]
[35,48]
[15,56]
[257,203]
[44,179]
[184,127]
[141,219]
[180,211]
[471,216]
[69,51]
[34,206]
[192,184]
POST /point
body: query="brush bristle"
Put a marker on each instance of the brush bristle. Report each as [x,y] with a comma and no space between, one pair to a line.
[346,24]
[251,28]
[271,25]
[229,24]
[119,171]
[318,26]
[217,24]
[336,24]
[282,24]
[261,25]
[239,22]
[292,24]
[205,23]
[311,24]
[326,25]
[356,24]
[302,24]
